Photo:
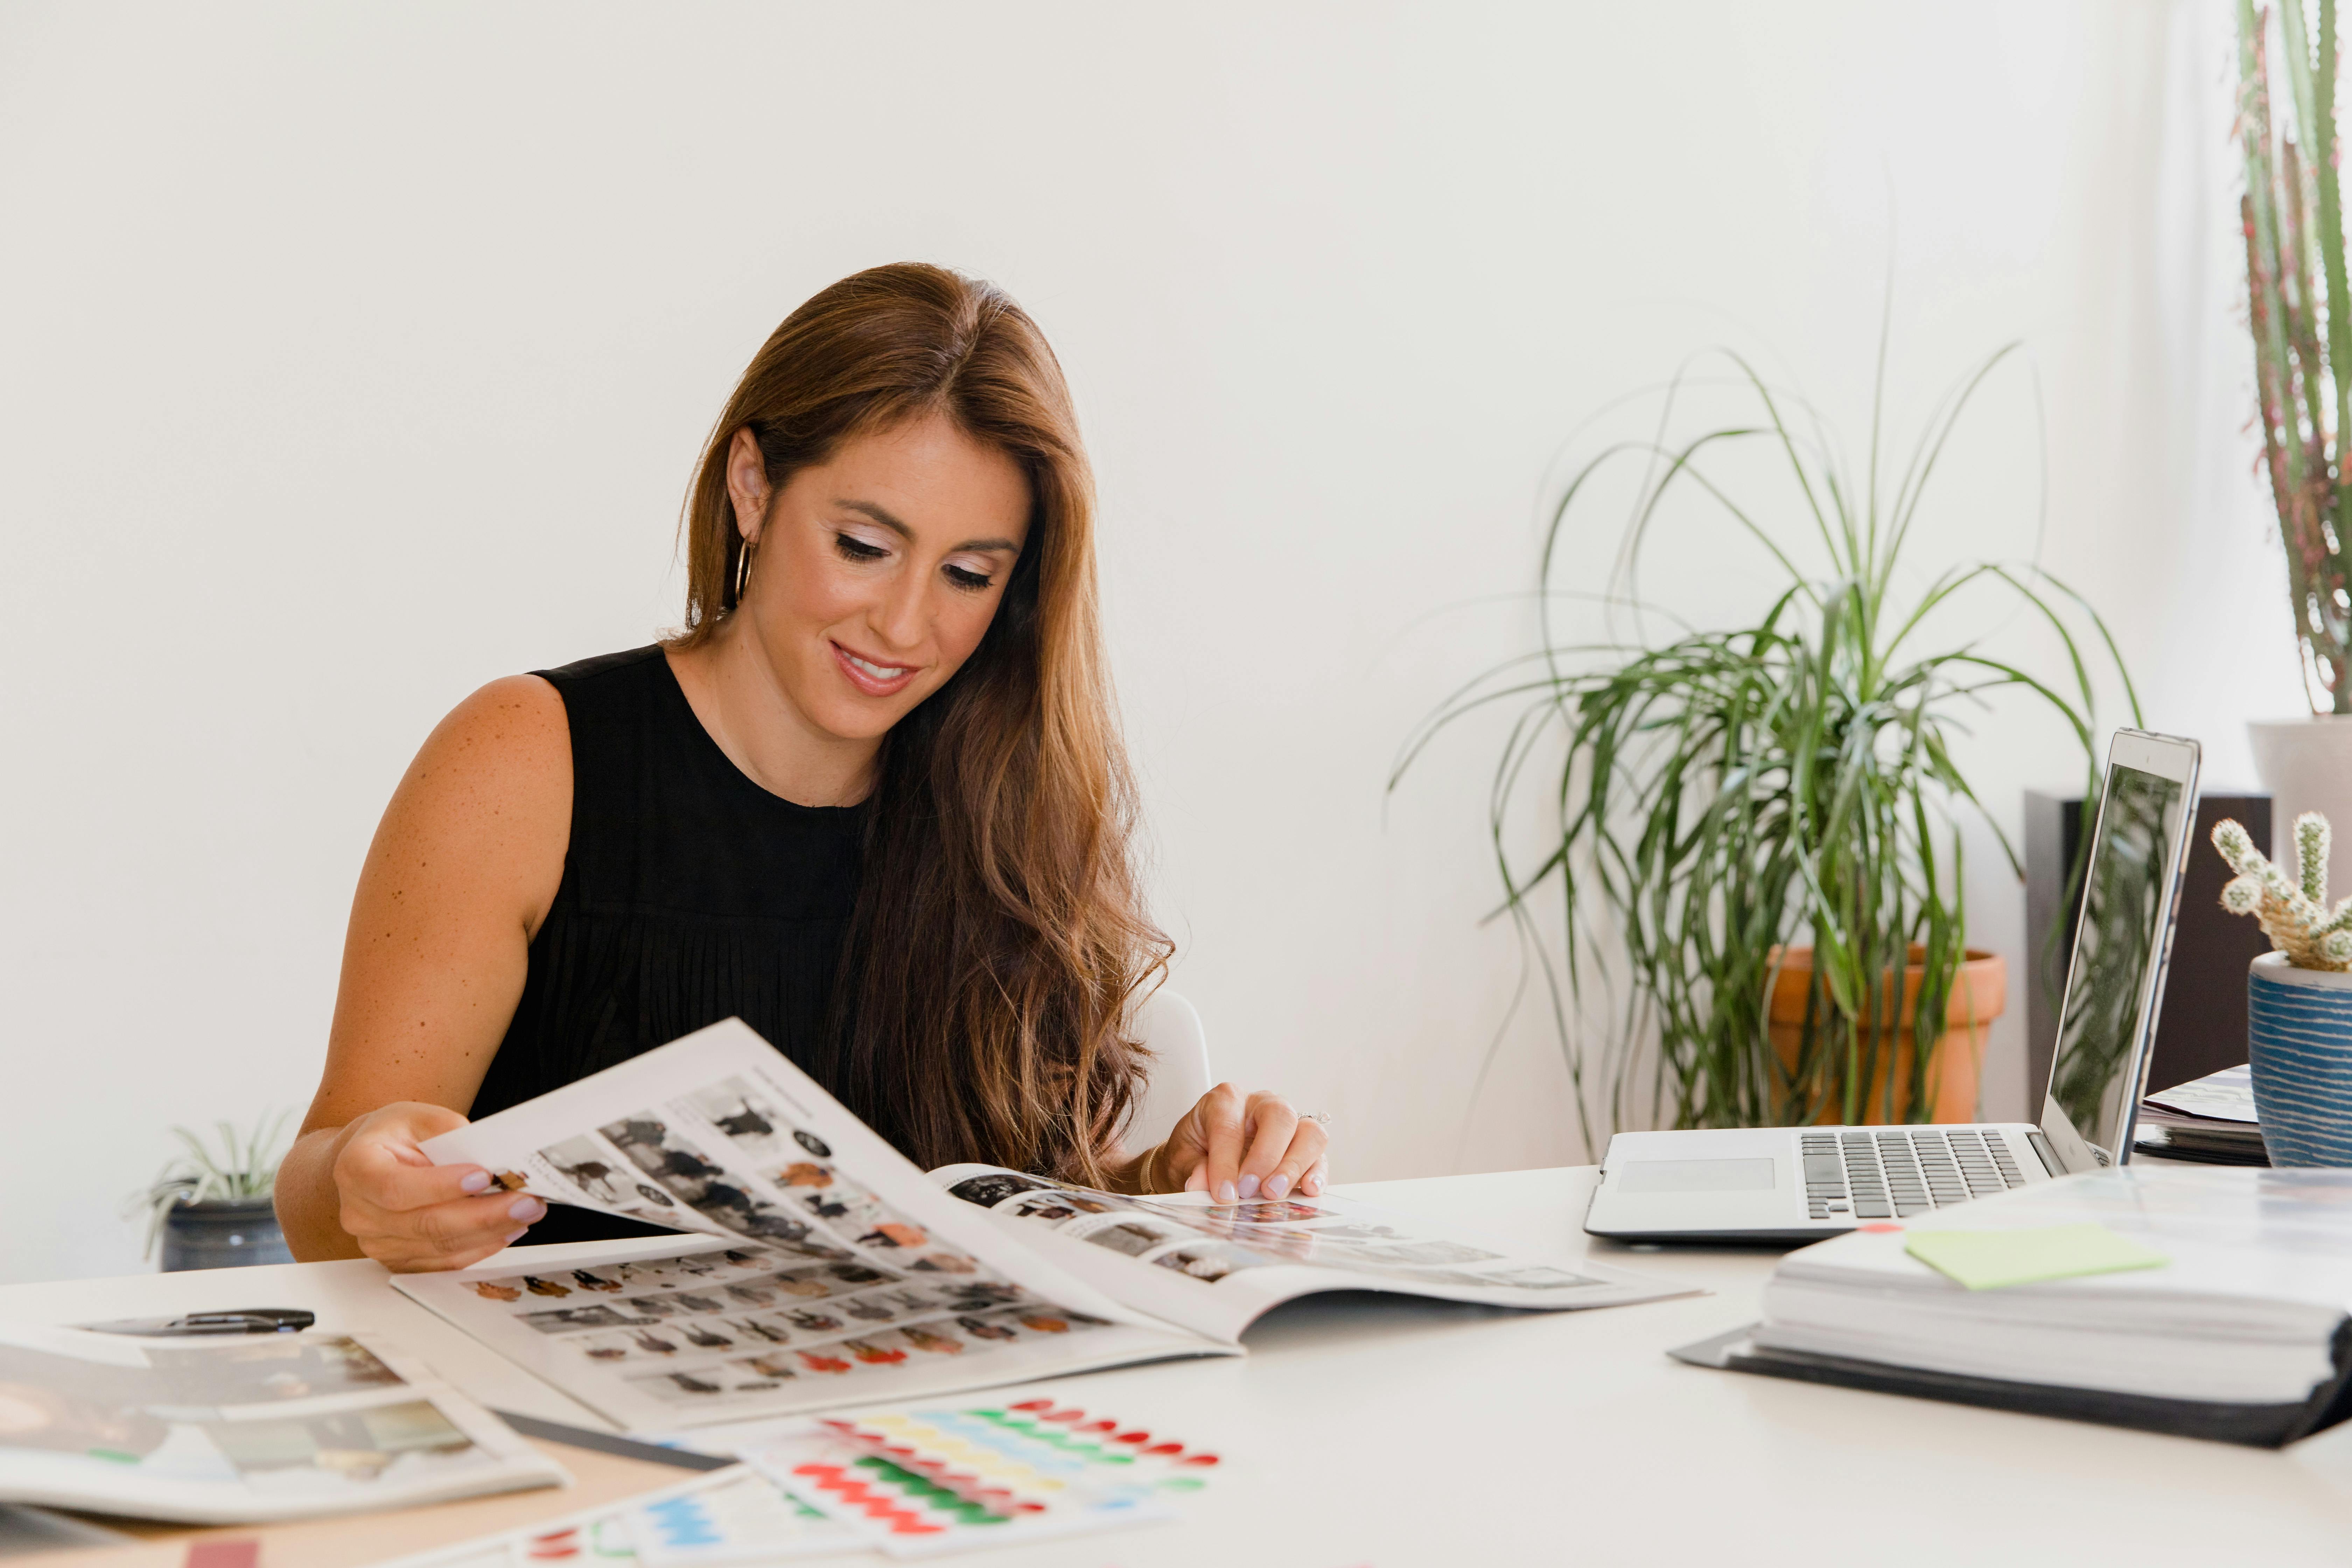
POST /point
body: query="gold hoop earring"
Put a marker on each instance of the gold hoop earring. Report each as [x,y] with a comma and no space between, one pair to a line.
[743,568]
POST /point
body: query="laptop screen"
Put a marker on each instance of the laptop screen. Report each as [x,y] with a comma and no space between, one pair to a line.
[2096,1069]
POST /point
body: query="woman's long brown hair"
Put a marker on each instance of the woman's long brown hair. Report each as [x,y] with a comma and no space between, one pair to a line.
[999,933]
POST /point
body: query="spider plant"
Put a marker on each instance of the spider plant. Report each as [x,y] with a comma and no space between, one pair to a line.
[1710,799]
[244,1168]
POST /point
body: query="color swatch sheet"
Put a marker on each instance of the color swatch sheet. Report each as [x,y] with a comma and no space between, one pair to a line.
[919,1482]
[906,1483]
[734,1516]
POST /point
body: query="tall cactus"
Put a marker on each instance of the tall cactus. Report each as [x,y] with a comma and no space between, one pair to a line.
[2294,912]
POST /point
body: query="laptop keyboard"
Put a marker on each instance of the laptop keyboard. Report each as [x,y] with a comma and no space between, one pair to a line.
[1881,1174]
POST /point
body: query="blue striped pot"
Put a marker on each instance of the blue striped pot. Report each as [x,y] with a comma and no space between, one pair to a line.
[2299,1038]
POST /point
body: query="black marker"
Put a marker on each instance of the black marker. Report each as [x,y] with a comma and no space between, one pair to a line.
[235,1320]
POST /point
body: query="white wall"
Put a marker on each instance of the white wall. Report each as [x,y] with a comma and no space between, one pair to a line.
[351,356]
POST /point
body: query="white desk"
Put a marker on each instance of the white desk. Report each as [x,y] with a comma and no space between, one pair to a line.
[1562,1436]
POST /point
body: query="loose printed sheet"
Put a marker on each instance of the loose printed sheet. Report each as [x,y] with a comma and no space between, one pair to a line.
[242,1430]
[922,1482]
[908,1482]
[837,1275]
[1214,1267]
[734,1518]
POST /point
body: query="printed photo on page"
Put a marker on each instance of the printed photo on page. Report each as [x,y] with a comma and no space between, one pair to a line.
[1259,1253]
[667,1337]
[241,1430]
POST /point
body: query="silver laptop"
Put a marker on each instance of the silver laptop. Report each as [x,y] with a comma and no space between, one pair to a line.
[1800,1183]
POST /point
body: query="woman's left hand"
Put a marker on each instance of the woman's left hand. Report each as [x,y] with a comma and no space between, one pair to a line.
[1236,1149]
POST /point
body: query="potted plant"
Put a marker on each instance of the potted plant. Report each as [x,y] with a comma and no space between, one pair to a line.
[2299,995]
[213,1209]
[1762,820]
[2294,222]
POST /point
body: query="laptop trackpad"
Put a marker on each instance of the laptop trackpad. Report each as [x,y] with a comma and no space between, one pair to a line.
[1696,1176]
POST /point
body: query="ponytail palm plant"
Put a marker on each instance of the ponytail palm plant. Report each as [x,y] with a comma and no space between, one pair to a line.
[1711,799]
[2292,215]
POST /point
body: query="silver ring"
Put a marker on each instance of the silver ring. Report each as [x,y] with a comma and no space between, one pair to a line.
[1317,1117]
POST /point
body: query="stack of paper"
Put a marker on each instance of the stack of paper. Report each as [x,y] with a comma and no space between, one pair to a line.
[2212,1303]
[2210,1120]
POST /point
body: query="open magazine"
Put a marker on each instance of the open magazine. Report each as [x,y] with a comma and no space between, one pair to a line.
[836,1273]
[241,1430]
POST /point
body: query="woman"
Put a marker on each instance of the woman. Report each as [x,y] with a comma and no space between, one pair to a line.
[870,800]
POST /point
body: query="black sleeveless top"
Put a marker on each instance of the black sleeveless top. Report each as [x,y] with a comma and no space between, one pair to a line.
[690,894]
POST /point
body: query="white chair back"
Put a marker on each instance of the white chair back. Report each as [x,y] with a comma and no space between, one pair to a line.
[1167,1024]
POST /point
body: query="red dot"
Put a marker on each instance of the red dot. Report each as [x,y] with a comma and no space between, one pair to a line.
[1165,1448]
[1035,1404]
[1880,1228]
[1133,1437]
[1198,1459]
[1064,1414]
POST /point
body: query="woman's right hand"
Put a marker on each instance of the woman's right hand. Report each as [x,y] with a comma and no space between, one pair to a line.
[411,1214]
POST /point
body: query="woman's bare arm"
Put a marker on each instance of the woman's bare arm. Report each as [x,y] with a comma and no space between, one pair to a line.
[461,873]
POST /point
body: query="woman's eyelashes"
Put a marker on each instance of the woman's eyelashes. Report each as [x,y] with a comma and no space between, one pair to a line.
[850,547]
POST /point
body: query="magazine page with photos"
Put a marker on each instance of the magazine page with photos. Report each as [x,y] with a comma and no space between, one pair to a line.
[245,1430]
[1215,1267]
[836,1272]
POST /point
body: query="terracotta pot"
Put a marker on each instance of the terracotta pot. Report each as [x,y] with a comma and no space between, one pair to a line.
[1979,990]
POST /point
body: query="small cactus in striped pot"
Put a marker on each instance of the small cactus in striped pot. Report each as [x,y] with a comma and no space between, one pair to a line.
[2293,910]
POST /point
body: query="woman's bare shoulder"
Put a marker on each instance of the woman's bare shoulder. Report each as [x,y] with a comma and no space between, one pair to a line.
[490,794]
[517,722]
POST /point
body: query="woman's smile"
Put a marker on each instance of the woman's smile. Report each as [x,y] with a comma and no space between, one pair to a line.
[872,676]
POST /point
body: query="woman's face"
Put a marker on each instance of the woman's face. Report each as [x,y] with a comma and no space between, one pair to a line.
[877,572]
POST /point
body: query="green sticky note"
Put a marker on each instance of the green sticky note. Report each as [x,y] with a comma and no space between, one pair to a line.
[1990,1259]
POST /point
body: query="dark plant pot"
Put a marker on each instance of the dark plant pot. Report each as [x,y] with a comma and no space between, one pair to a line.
[223,1235]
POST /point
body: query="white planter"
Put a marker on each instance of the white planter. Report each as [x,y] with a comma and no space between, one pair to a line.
[2307,765]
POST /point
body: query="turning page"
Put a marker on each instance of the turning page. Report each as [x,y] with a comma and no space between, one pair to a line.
[1214,1267]
[836,1273]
